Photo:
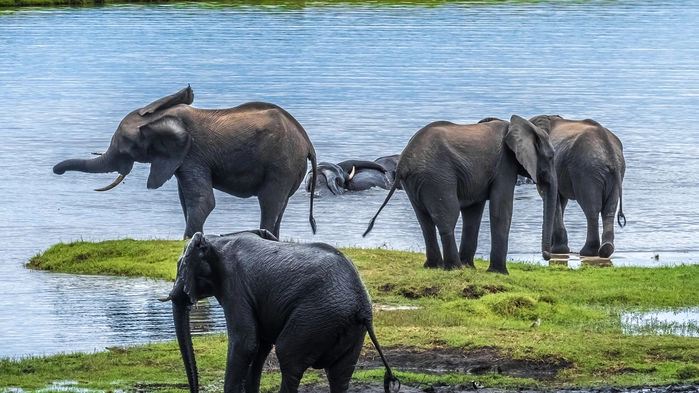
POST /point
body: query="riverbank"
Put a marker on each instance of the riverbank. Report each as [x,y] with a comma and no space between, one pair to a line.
[439,328]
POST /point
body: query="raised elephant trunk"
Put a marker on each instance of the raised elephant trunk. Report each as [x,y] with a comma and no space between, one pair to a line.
[180,313]
[103,163]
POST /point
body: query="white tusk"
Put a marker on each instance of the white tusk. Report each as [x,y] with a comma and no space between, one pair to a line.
[351,175]
[114,184]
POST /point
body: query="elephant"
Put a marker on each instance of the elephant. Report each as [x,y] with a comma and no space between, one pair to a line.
[448,168]
[253,149]
[590,166]
[389,163]
[349,175]
[306,300]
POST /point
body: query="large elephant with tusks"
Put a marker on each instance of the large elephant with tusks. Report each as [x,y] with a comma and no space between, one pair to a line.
[253,149]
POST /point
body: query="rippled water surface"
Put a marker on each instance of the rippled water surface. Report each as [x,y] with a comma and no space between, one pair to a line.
[361,79]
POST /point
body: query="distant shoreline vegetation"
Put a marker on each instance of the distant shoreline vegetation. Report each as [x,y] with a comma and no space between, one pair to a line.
[291,4]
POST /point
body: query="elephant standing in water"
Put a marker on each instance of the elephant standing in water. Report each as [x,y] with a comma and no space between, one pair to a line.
[253,149]
[306,300]
[448,168]
[590,166]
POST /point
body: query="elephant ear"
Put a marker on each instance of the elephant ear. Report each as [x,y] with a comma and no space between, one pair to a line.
[529,143]
[543,122]
[184,96]
[168,143]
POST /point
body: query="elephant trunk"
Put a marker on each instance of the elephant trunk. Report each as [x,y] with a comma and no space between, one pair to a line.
[104,163]
[550,197]
[180,313]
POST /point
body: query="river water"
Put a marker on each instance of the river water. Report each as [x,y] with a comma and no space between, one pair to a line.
[361,79]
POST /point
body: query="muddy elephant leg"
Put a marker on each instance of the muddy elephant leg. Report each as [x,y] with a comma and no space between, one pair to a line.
[197,200]
[560,234]
[471,217]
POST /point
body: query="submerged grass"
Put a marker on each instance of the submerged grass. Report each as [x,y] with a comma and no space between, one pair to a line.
[467,309]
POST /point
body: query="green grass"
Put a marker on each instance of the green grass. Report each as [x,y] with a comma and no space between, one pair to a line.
[579,310]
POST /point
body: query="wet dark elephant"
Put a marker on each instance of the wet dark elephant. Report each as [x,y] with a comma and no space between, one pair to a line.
[349,175]
[253,149]
[590,167]
[306,300]
[448,168]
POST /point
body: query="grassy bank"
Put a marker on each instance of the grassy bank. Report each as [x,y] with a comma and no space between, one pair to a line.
[466,310]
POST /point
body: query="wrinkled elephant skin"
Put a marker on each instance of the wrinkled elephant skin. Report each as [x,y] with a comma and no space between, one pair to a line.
[449,169]
[590,166]
[253,149]
[277,294]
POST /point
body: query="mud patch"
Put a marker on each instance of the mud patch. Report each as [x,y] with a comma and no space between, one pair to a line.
[476,361]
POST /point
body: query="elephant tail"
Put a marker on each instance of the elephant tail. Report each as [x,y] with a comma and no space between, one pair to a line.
[385,202]
[312,158]
[620,215]
[391,384]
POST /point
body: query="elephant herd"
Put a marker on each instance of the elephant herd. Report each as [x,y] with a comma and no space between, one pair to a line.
[259,149]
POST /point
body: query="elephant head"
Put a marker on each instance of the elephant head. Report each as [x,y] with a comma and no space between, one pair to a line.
[199,271]
[535,153]
[148,135]
[331,177]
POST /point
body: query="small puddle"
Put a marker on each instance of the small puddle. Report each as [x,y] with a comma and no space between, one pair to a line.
[60,386]
[385,307]
[680,322]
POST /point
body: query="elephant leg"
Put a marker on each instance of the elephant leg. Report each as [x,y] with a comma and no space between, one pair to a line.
[471,217]
[272,204]
[608,215]
[198,201]
[292,369]
[560,234]
[429,233]
[252,382]
[340,373]
[240,357]
[592,243]
[500,220]
[447,216]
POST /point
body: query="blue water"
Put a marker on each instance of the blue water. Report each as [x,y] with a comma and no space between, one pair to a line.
[361,79]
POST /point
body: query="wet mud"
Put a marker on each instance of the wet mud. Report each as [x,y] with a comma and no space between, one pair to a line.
[477,362]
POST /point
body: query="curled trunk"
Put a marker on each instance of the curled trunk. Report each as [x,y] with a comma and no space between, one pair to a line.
[180,314]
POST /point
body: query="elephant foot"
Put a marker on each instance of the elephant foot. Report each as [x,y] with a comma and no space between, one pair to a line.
[498,270]
[560,249]
[452,266]
[589,251]
[468,265]
[606,250]
[431,264]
